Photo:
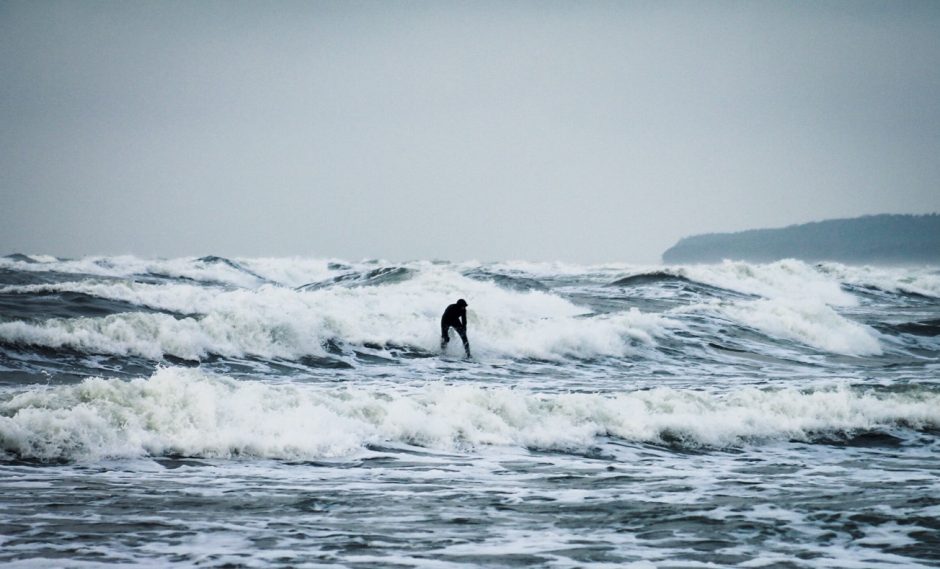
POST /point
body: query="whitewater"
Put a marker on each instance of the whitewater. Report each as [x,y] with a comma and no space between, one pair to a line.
[296,412]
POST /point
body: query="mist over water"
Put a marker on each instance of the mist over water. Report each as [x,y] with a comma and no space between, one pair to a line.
[296,412]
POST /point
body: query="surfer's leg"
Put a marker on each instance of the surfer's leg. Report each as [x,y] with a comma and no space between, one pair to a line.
[463,337]
[444,337]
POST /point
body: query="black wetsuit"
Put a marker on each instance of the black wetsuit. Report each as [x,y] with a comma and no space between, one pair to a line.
[455,316]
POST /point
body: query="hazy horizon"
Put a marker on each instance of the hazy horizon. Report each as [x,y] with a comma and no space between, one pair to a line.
[586,132]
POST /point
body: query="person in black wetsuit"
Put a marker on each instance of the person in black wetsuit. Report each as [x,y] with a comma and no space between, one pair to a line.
[455,316]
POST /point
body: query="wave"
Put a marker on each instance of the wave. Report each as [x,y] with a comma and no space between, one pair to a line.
[676,286]
[212,260]
[209,270]
[179,298]
[830,283]
[512,282]
[915,281]
[782,279]
[40,305]
[654,277]
[787,278]
[292,308]
[183,412]
[924,328]
[374,277]
[192,322]
[808,322]
[921,328]
[247,273]
[21,258]
[279,322]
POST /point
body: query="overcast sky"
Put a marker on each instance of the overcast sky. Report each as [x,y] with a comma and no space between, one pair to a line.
[577,131]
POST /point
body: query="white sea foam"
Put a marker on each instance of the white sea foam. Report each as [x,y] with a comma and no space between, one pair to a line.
[296,271]
[558,268]
[809,322]
[787,278]
[264,319]
[918,280]
[237,272]
[274,321]
[183,411]
[782,279]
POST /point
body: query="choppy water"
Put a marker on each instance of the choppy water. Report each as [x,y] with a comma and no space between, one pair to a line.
[295,412]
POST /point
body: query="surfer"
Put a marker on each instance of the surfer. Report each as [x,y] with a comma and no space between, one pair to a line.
[455,316]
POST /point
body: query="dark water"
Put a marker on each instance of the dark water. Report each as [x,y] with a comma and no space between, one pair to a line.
[295,412]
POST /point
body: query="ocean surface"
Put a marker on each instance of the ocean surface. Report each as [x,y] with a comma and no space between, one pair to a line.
[256,412]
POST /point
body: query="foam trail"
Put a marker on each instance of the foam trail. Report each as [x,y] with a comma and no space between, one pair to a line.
[181,411]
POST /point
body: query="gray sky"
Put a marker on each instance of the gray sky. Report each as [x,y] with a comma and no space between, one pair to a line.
[578,131]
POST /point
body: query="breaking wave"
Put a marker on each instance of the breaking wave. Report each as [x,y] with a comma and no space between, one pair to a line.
[193,308]
[272,321]
[783,279]
[183,412]
[811,323]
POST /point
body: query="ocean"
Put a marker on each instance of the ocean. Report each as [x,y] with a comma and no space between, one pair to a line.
[293,412]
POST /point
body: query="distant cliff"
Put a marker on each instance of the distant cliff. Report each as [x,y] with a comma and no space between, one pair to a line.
[869,239]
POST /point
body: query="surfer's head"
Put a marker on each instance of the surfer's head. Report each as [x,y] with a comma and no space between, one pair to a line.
[461,302]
